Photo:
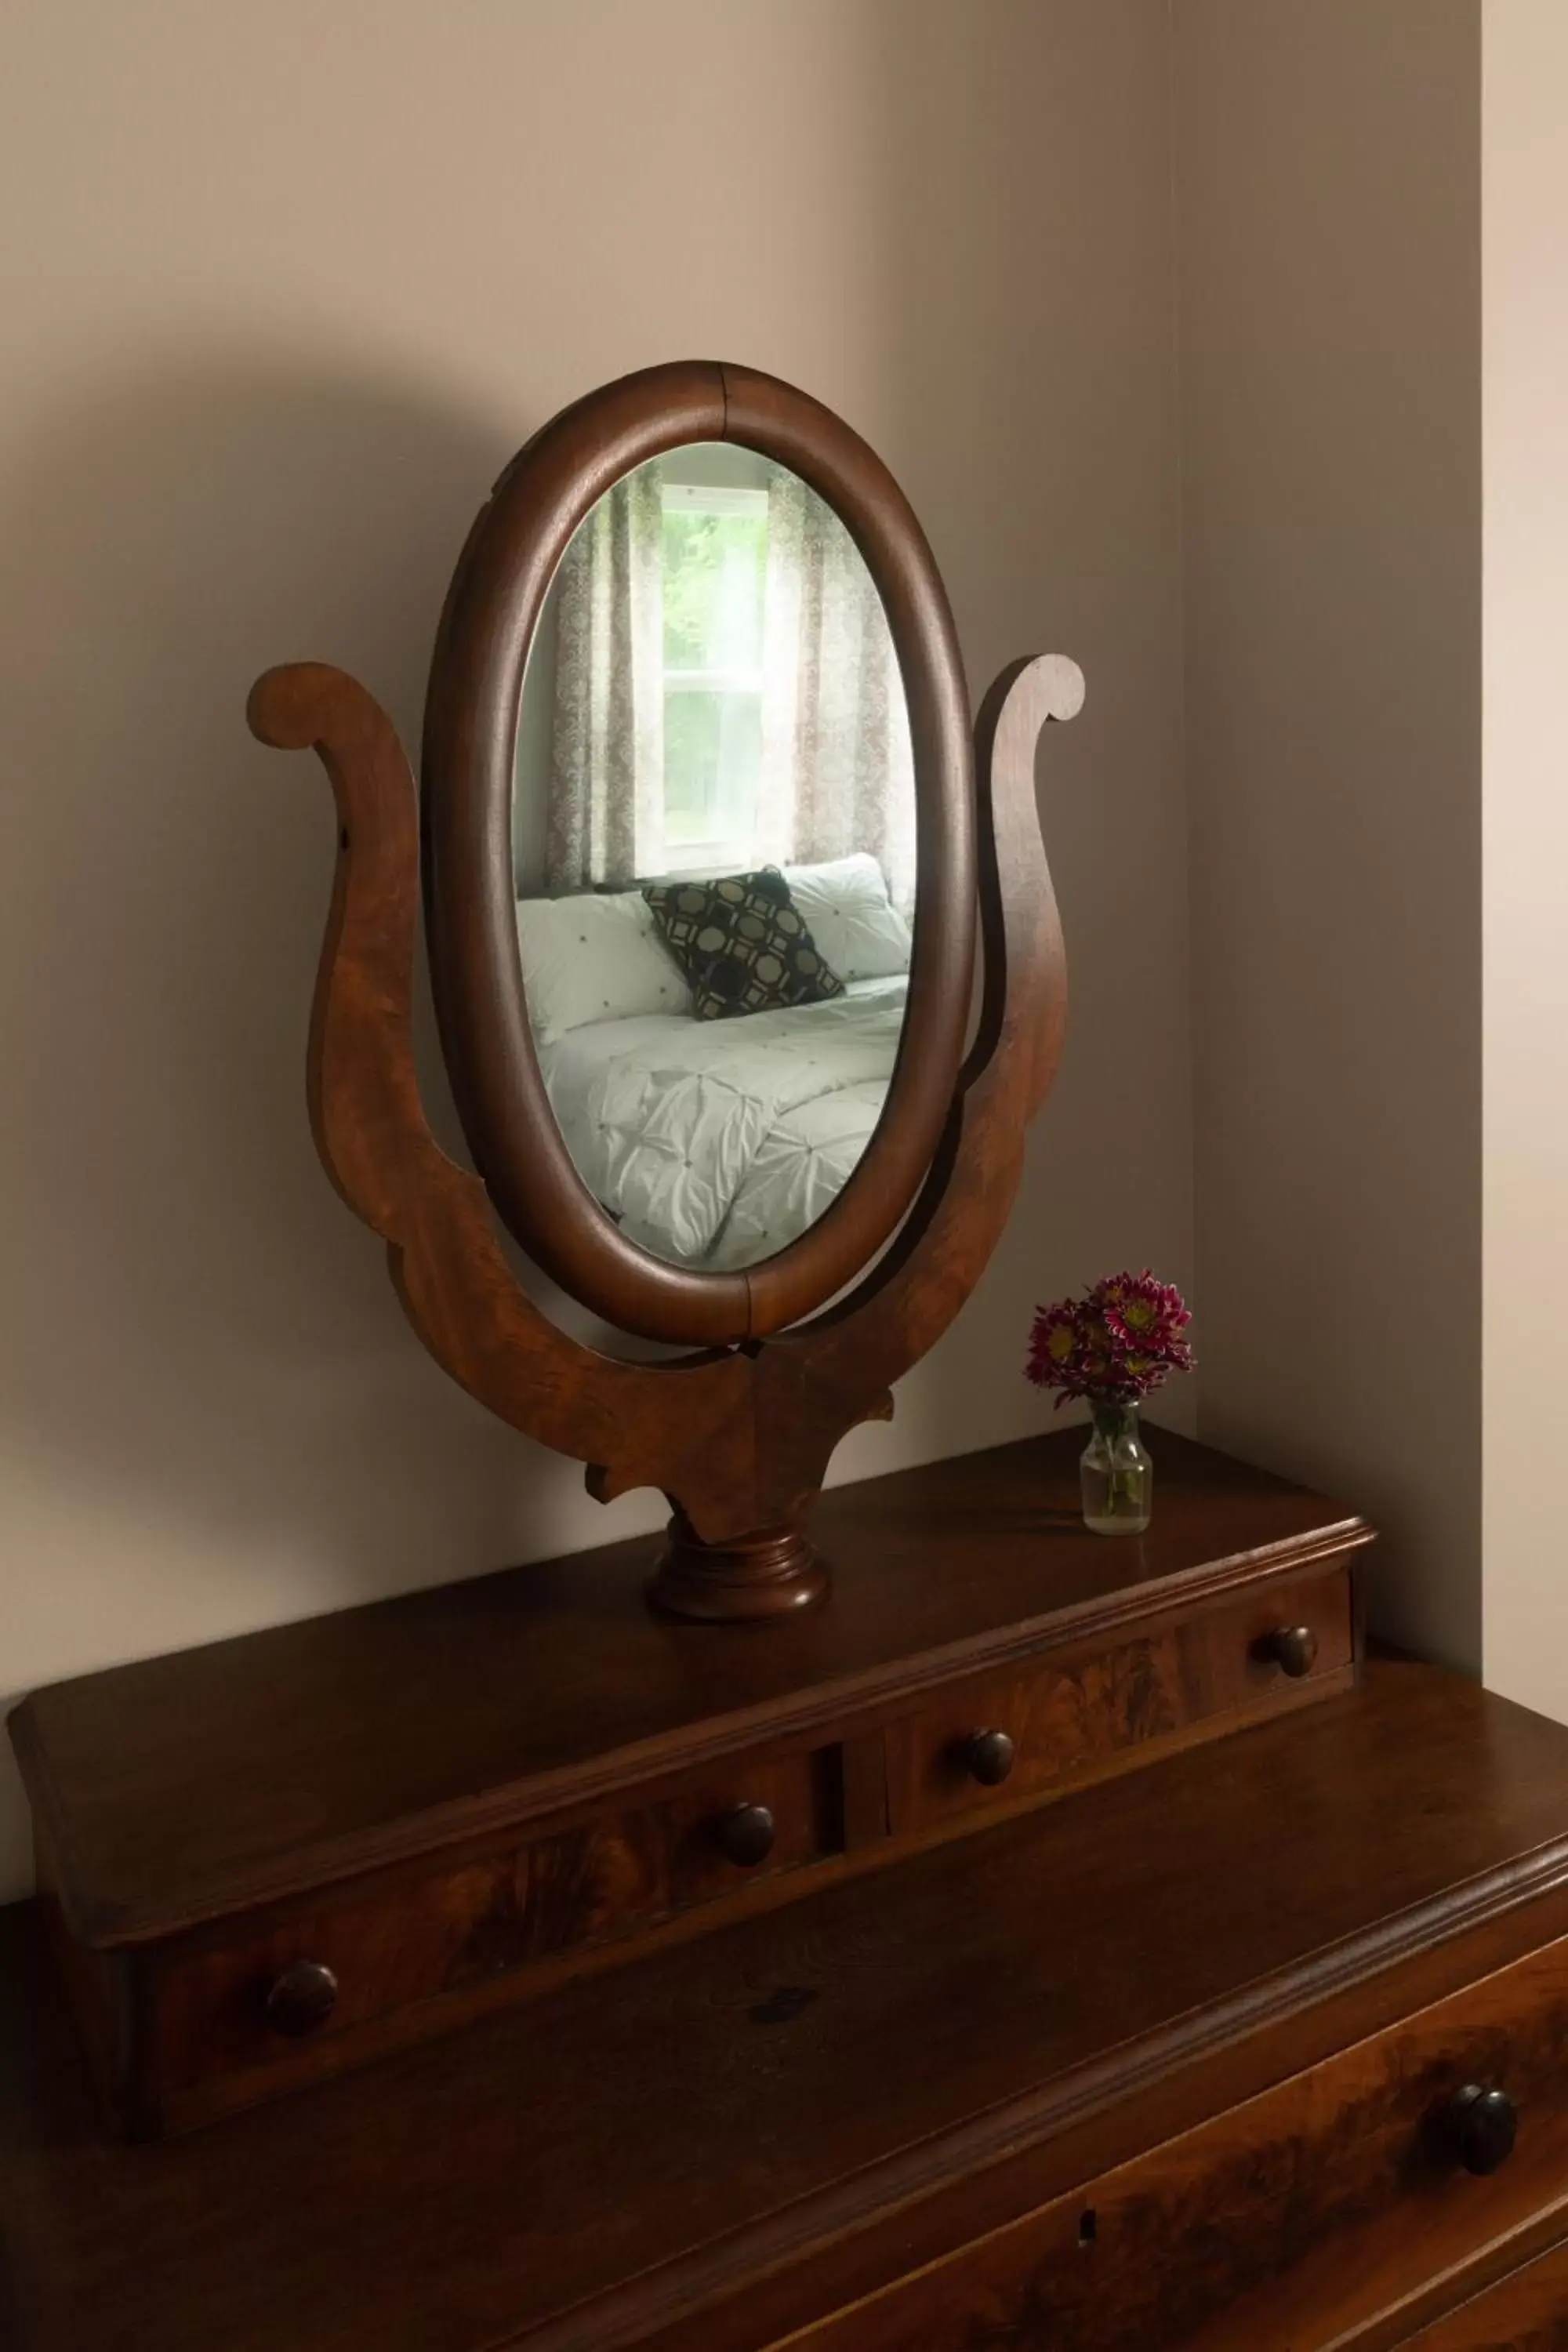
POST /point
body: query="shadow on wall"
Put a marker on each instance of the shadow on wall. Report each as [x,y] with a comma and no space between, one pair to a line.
[198,1329]
[1036,434]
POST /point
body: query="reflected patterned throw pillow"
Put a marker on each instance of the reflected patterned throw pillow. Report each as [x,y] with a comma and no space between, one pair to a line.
[742,943]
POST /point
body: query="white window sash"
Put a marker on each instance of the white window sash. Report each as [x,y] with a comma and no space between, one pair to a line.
[700,497]
[712,681]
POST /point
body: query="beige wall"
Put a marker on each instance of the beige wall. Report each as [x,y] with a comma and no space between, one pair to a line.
[286,287]
[1525,435]
[1328,172]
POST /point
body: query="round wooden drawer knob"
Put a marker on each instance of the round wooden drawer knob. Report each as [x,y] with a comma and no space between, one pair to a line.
[1479,2128]
[988,1756]
[1293,1649]
[302,1998]
[746,1835]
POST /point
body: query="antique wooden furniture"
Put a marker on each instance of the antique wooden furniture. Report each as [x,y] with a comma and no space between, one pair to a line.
[1038,1940]
[468,772]
[1047,1942]
[1261,2047]
[417,1810]
[739,1435]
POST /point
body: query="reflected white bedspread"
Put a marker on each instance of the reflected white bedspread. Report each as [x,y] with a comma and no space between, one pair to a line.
[715,1143]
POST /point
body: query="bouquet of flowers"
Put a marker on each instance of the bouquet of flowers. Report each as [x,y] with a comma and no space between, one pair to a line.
[1115,1345]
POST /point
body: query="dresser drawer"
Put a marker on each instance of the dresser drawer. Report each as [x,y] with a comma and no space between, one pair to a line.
[1050,1722]
[1526,2312]
[233,2005]
[1285,2222]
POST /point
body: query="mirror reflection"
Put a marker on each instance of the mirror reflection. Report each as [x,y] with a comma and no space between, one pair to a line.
[714,842]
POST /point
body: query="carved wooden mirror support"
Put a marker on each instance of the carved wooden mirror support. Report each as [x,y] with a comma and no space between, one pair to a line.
[737,1436]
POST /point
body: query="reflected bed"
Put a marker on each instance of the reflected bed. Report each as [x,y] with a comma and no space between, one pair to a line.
[716,1142]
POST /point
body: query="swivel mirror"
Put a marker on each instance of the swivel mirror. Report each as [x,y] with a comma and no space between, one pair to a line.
[704,850]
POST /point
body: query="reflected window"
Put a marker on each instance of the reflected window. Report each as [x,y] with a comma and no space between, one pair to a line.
[714,575]
[713,688]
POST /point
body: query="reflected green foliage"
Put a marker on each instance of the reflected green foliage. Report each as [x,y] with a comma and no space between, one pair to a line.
[713,566]
[713,570]
[712,759]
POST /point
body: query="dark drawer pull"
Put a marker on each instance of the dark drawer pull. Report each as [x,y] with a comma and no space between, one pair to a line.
[1292,1648]
[1479,2128]
[988,1758]
[746,1835]
[303,1997]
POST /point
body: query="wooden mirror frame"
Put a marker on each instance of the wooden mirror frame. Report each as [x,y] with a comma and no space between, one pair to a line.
[737,1436]
[469,761]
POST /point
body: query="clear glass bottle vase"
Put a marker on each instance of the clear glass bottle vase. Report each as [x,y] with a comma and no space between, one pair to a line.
[1116,1474]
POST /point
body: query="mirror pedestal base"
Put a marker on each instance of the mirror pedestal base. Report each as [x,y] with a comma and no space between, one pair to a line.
[767,1575]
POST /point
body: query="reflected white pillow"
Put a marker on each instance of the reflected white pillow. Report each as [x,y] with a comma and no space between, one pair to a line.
[588,958]
[846,908]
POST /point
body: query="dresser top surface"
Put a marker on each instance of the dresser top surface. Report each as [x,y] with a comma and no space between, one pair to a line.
[193,1780]
[790,2072]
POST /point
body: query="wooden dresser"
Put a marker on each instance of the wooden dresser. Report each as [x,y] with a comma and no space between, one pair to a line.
[1048,1943]
[280,1856]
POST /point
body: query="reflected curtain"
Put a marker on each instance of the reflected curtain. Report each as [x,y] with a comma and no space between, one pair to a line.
[606,818]
[838,768]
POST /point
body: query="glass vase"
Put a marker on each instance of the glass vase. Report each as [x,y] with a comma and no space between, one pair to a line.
[1116,1474]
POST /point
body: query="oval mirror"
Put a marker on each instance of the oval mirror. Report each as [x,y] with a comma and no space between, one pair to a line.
[700,868]
[713,831]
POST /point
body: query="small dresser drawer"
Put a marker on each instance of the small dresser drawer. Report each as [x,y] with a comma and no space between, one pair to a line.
[1287,2223]
[234,2004]
[1052,1722]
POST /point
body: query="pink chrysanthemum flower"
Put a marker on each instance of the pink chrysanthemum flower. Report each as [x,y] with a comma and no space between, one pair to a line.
[1114,1346]
[1055,1344]
[1140,1311]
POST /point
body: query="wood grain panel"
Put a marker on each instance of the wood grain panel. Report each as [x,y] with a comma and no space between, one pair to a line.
[1071,1713]
[1337,2188]
[550,1686]
[724,2142]
[393,1942]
